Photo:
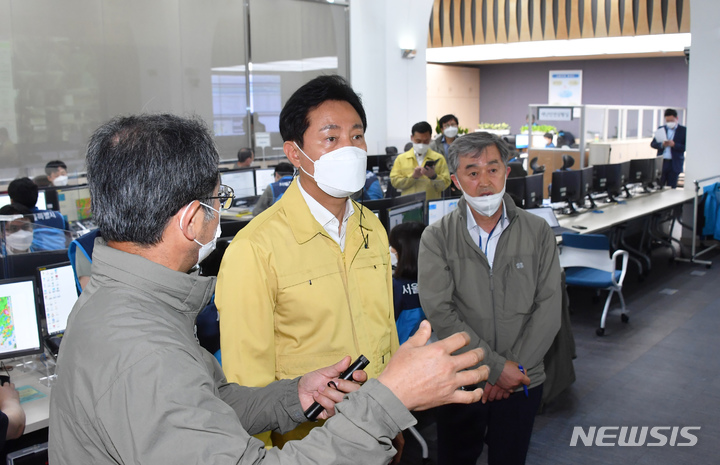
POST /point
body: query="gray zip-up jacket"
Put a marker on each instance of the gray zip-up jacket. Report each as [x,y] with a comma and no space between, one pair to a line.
[511,311]
[134,386]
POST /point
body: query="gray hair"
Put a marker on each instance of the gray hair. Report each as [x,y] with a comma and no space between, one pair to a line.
[143,169]
[473,145]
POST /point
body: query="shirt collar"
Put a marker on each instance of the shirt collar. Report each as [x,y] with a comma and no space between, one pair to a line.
[321,214]
[472,224]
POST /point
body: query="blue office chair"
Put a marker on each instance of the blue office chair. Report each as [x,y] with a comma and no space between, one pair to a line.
[85,244]
[587,262]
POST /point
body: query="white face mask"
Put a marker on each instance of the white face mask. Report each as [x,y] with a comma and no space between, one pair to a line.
[393,258]
[671,124]
[450,131]
[60,181]
[486,205]
[420,149]
[340,173]
[19,241]
[205,249]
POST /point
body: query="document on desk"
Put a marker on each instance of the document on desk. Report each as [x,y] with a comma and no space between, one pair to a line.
[28,393]
[660,135]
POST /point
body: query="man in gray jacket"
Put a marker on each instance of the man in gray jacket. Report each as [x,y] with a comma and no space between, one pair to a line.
[491,270]
[134,386]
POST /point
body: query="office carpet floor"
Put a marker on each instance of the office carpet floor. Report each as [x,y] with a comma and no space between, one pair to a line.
[662,368]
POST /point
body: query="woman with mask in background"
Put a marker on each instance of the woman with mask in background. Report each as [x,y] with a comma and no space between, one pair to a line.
[404,245]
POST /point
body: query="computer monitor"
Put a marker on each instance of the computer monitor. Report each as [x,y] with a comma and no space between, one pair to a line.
[586,186]
[658,169]
[241,181]
[263,178]
[41,204]
[20,332]
[74,203]
[379,163]
[58,294]
[406,213]
[644,171]
[566,187]
[533,191]
[521,141]
[382,207]
[439,208]
[515,187]
[610,178]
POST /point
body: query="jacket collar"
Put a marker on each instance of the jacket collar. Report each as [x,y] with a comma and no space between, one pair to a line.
[461,212]
[186,293]
[303,224]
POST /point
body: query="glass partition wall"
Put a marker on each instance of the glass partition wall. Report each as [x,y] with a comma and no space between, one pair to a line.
[65,67]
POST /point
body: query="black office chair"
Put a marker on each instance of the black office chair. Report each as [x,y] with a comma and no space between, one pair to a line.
[568,162]
[516,170]
[536,169]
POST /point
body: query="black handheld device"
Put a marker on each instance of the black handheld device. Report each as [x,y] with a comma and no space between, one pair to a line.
[314,410]
[4,379]
[430,163]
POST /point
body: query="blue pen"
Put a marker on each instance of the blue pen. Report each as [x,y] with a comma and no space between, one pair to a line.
[522,370]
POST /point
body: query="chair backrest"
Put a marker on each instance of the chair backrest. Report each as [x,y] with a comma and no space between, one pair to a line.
[534,165]
[84,244]
[587,251]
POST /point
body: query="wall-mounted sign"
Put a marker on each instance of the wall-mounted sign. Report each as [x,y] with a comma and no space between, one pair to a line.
[555,114]
[565,87]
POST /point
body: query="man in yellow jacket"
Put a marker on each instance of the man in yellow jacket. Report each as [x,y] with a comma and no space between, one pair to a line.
[309,279]
[420,169]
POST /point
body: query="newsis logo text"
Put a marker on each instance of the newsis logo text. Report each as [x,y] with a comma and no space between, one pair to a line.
[634,436]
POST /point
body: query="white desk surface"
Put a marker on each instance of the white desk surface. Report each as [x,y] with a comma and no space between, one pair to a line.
[37,411]
[635,207]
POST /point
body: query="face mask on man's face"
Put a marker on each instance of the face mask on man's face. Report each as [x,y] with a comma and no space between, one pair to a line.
[207,248]
[671,124]
[19,241]
[339,173]
[60,181]
[420,149]
[450,131]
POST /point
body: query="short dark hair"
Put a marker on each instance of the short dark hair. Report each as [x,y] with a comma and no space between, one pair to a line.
[166,162]
[421,128]
[671,112]
[23,191]
[474,144]
[447,119]
[284,169]
[53,166]
[405,239]
[244,154]
[548,135]
[16,209]
[294,115]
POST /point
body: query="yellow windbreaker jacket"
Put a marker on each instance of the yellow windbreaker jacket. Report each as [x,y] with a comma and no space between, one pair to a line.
[402,171]
[290,301]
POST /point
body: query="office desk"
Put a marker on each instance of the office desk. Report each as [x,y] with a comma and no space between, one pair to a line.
[615,215]
[37,411]
[636,207]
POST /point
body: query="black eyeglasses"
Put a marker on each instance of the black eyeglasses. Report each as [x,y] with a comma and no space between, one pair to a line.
[226,195]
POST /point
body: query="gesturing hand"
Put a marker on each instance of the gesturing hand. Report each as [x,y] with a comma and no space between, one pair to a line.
[425,376]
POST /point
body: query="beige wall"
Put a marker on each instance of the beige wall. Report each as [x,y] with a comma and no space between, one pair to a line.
[456,90]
